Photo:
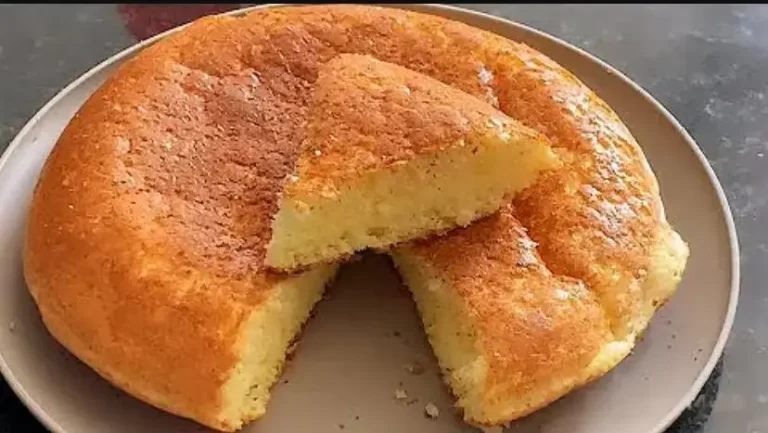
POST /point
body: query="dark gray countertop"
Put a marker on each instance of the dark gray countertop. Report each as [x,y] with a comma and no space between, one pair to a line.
[708,64]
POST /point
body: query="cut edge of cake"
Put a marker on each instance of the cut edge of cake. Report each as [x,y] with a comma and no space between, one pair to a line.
[429,194]
[265,343]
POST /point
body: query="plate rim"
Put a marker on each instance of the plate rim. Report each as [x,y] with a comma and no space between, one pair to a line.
[733,241]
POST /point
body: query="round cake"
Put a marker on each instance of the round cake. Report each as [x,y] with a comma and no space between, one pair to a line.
[149,226]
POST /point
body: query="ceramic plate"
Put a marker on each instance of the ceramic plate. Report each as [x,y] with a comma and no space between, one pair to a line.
[352,356]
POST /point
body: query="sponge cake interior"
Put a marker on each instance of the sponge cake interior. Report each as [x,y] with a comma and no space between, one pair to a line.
[265,342]
[393,155]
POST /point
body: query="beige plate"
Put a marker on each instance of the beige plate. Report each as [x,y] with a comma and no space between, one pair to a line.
[352,354]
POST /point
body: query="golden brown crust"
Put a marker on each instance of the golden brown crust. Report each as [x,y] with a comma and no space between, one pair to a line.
[599,219]
[537,331]
[367,115]
[147,231]
[112,288]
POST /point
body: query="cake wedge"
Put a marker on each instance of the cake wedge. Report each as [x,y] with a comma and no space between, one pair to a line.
[392,155]
[510,336]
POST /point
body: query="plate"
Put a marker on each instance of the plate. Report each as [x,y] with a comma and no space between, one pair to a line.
[354,352]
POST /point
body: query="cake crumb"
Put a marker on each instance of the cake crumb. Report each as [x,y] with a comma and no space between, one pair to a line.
[341,426]
[12,326]
[411,401]
[414,368]
[400,394]
[318,152]
[431,410]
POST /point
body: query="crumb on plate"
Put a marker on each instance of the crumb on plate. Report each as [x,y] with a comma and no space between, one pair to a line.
[431,410]
[400,394]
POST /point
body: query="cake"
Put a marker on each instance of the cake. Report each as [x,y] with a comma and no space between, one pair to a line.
[510,335]
[149,229]
[392,155]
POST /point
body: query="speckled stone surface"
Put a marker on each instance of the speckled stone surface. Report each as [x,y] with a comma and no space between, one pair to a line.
[708,64]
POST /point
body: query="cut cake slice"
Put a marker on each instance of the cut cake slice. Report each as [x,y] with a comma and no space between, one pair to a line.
[392,155]
[509,335]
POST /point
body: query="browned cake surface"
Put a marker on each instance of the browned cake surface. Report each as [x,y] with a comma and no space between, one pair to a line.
[599,219]
[367,115]
[537,330]
[147,230]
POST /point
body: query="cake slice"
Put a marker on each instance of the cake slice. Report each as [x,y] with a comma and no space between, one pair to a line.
[392,155]
[510,336]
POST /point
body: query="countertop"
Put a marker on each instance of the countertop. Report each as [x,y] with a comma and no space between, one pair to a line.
[708,64]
